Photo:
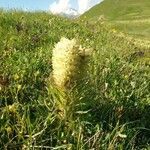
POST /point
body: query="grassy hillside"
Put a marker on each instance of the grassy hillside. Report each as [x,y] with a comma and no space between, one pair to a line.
[112,101]
[120,9]
[130,16]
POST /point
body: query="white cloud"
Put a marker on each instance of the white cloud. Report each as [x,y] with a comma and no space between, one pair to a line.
[84,5]
[59,6]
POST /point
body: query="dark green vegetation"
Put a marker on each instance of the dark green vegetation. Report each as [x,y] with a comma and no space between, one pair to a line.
[113,100]
[130,16]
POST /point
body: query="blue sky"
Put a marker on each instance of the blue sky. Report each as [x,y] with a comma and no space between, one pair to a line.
[80,5]
[26,4]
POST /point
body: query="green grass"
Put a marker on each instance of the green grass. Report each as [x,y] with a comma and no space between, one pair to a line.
[120,10]
[112,104]
[130,16]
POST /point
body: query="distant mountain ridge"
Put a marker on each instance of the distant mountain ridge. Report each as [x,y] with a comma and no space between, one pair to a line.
[69,13]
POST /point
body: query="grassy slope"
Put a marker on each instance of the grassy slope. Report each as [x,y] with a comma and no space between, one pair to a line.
[113,104]
[130,16]
[120,9]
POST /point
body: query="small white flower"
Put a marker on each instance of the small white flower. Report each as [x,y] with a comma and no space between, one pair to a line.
[133,84]
[122,135]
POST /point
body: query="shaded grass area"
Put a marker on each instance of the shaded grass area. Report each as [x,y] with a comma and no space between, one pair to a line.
[111,107]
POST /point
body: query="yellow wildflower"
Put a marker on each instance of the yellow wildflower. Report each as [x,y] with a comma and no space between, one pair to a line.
[19,87]
[16,77]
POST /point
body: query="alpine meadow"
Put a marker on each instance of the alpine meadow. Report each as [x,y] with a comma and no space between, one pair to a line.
[76,84]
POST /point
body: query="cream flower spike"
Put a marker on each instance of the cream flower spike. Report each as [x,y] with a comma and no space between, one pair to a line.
[66,62]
